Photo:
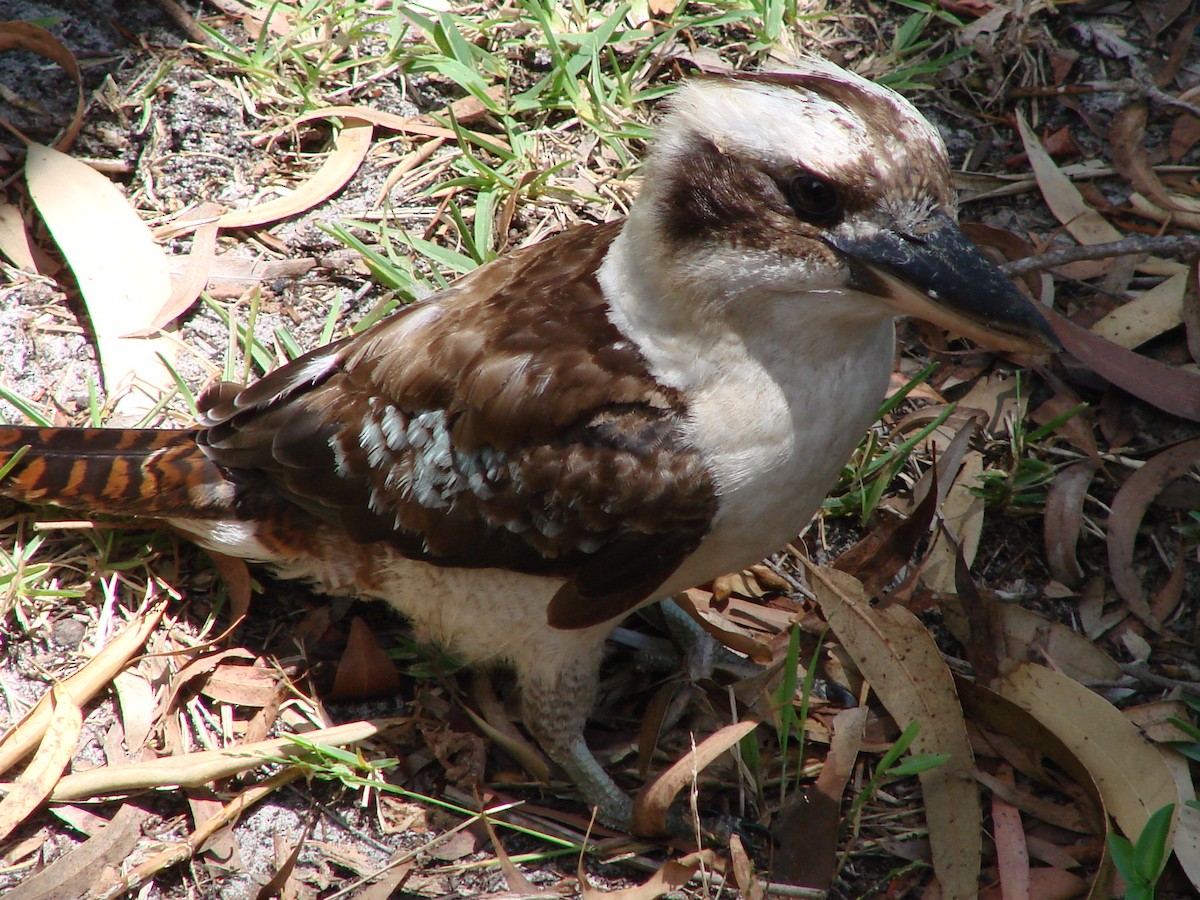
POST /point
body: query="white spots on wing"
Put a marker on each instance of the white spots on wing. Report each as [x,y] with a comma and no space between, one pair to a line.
[341,464]
[394,429]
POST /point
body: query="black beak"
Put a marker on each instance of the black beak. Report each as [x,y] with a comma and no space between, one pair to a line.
[942,277]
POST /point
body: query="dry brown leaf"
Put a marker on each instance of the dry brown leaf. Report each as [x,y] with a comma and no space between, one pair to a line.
[654,800]
[277,18]
[221,845]
[198,266]
[1155,312]
[1008,834]
[75,873]
[674,874]
[1085,224]
[279,884]
[81,820]
[35,39]
[350,149]
[1158,14]
[1186,216]
[877,558]
[122,274]
[1184,135]
[253,686]
[807,828]
[463,111]
[1166,601]
[1191,311]
[196,769]
[82,686]
[1187,826]
[1128,508]
[1048,883]
[500,729]
[1127,143]
[390,883]
[1168,388]
[512,874]
[998,398]
[1128,771]
[365,669]
[232,276]
[240,584]
[697,603]
[1066,650]
[49,762]
[136,699]
[1077,430]
[1033,802]
[1062,520]
[16,244]
[743,871]
[199,667]
[962,513]
[904,667]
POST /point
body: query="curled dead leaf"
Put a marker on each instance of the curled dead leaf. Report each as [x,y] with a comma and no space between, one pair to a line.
[122,273]
[1127,143]
[1129,773]
[673,875]
[1168,388]
[1129,507]
[653,802]
[44,771]
[349,150]
[35,39]
[904,667]
[1062,520]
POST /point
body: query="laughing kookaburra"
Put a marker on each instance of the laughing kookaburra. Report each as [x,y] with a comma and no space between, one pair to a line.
[597,421]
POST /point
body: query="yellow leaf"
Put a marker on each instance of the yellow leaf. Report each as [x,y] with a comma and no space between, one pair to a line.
[349,151]
[1085,224]
[1128,770]
[903,665]
[122,273]
[53,755]
[1156,311]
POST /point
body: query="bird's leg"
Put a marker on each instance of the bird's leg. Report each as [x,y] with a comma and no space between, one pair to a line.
[700,648]
[555,706]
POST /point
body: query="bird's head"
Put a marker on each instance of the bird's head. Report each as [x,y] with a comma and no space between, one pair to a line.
[819,182]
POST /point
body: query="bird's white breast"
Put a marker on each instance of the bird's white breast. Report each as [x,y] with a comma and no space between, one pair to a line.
[779,391]
[776,436]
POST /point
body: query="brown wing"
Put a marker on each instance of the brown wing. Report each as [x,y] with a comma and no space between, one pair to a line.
[503,423]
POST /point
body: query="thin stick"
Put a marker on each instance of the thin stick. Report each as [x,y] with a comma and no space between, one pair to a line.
[1161,246]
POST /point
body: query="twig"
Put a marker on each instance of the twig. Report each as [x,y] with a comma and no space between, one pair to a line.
[1132,86]
[1162,246]
[1142,673]
[183,850]
[184,20]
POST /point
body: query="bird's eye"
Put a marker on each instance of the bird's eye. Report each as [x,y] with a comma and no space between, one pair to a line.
[814,198]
